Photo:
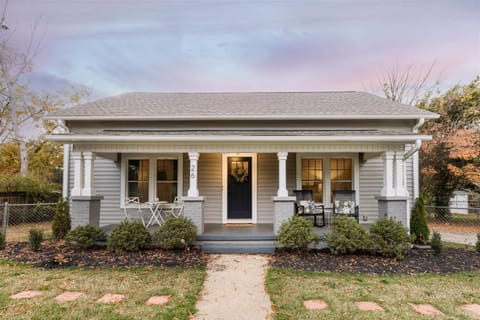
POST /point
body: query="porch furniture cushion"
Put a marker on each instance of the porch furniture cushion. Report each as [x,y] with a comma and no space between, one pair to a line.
[306,207]
[344,204]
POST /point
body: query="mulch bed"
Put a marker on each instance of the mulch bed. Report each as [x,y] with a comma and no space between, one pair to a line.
[416,261]
[57,255]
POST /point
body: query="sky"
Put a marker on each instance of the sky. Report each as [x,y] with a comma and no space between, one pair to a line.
[116,46]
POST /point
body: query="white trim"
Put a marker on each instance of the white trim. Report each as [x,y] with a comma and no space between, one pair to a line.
[152,185]
[225,185]
[416,176]
[407,138]
[326,157]
[66,170]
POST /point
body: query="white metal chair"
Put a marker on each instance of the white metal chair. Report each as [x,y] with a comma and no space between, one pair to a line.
[133,209]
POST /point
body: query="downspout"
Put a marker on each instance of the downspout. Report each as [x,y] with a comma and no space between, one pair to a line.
[416,176]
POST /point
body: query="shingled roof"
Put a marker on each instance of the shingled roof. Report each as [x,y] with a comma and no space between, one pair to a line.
[251,105]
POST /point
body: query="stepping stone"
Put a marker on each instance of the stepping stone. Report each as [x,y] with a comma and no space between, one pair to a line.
[472,309]
[426,309]
[26,294]
[68,296]
[315,304]
[111,298]
[368,306]
[158,300]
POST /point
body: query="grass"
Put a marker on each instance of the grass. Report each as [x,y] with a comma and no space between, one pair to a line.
[288,289]
[136,284]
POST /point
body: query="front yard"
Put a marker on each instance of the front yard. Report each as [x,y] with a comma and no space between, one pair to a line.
[288,289]
[137,285]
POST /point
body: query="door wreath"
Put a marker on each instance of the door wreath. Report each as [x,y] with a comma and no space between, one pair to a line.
[239,174]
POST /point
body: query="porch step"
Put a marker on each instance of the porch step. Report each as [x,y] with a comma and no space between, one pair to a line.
[249,246]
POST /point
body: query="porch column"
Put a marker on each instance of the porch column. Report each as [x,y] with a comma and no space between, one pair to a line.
[399,181]
[193,189]
[388,188]
[78,173]
[282,174]
[392,203]
[89,160]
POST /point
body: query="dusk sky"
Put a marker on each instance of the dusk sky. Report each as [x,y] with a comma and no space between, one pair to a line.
[115,46]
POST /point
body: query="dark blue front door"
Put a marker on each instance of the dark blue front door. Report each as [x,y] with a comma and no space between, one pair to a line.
[239,187]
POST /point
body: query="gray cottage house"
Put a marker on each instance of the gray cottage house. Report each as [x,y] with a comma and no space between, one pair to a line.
[163,146]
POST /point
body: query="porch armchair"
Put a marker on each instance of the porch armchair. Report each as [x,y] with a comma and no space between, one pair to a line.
[344,204]
[306,207]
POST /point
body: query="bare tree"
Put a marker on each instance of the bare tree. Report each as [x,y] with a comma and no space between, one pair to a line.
[22,108]
[408,85]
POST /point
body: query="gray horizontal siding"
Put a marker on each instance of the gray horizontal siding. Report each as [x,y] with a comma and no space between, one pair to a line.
[267,185]
[409,172]
[107,184]
[210,185]
[371,183]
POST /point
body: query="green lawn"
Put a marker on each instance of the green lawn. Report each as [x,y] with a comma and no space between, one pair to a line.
[136,284]
[288,289]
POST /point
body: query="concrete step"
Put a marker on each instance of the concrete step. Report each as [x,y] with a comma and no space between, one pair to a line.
[267,247]
[236,237]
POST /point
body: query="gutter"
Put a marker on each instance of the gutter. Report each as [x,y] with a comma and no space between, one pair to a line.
[416,147]
[228,138]
[420,123]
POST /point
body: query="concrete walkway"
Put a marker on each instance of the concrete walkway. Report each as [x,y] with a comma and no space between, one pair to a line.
[235,289]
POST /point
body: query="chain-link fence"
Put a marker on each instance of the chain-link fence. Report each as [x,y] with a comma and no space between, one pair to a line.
[457,225]
[16,220]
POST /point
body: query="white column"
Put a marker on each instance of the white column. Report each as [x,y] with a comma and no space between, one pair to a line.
[388,188]
[77,174]
[399,181]
[282,174]
[89,160]
[193,189]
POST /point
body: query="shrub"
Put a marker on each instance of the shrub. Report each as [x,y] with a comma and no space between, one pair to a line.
[296,233]
[418,222]
[129,236]
[35,238]
[477,245]
[347,236]
[436,243]
[84,236]
[176,233]
[61,221]
[2,241]
[390,238]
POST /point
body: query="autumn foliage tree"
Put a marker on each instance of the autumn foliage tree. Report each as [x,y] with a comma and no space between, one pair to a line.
[451,161]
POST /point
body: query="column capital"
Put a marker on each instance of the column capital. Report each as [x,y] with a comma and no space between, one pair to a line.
[76,155]
[282,155]
[89,155]
[193,155]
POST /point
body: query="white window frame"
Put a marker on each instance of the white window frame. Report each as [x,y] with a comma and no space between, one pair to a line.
[327,182]
[152,177]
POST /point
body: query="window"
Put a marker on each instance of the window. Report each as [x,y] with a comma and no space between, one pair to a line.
[138,173]
[152,178]
[324,174]
[167,182]
[312,177]
[340,175]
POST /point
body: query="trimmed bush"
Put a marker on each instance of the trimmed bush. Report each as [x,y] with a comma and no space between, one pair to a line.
[61,221]
[84,236]
[390,238]
[35,238]
[347,236]
[477,245]
[436,243]
[418,222]
[176,233]
[2,241]
[129,236]
[296,233]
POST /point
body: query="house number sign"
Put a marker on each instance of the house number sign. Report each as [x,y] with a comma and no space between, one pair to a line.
[193,170]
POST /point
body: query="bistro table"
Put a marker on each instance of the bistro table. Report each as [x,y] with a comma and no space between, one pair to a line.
[156,210]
